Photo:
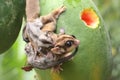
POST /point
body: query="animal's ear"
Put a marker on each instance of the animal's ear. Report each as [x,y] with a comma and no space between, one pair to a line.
[73,36]
[55,50]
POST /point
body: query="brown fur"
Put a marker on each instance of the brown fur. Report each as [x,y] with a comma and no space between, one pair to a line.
[60,48]
[32,9]
[48,25]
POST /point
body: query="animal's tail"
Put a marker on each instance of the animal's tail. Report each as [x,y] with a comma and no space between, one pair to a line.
[32,9]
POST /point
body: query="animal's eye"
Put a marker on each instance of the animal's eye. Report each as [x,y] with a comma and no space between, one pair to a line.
[26,40]
[69,43]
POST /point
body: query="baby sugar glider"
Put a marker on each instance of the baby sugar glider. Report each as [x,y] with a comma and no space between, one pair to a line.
[44,48]
[39,33]
[65,48]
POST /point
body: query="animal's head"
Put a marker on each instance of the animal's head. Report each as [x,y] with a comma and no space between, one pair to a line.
[65,44]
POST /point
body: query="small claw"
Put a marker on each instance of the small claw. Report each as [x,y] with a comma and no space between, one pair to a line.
[62,31]
[57,69]
[27,68]
[63,8]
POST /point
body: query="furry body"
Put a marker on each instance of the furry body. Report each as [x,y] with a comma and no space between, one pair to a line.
[44,48]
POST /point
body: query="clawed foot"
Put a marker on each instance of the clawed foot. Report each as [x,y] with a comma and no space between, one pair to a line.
[57,68]
[58,11]
[62,9]
[62,31]
[27,68]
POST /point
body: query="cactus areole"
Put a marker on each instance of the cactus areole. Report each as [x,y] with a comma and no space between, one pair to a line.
[93,59]
[11,13]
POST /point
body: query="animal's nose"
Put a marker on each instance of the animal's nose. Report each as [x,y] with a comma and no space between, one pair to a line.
[77,42]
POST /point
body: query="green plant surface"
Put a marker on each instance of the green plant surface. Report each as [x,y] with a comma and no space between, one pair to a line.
[93,59]
[13,60]
[11,13]
[111,14]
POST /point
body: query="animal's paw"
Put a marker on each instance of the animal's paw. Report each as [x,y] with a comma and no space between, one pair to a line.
[57,68]
[62,9]
[27,68]
[62,31]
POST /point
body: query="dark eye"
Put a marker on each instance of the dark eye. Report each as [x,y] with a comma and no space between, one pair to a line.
[26,40]
[69,43]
